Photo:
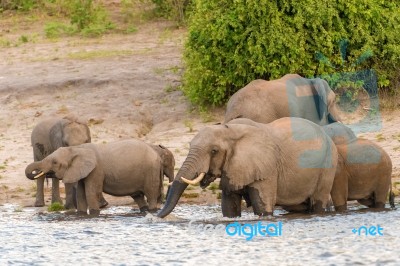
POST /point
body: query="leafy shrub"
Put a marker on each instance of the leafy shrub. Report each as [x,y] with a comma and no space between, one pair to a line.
[57,29]
[173,9]
[231,43]
[87,17]
[23,5]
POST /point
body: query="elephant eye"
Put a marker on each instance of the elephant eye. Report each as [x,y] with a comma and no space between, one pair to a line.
[54,161]
[214,151]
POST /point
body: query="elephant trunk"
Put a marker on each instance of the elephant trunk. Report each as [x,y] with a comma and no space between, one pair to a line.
[173,195]
[177,188]
[32,170]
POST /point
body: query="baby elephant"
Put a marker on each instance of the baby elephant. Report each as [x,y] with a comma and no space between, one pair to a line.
[123,168]
[363,172]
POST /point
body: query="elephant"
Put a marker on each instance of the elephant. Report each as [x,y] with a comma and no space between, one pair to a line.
[290,96]
[49,135]
[285,162]
[363,172]
[122,168]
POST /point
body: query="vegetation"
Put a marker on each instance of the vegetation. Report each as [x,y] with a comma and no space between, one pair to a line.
[55,207]
[231,43]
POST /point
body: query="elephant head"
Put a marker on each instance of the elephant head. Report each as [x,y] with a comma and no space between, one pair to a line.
[168,160]
[70,131]
[67,163]
[325,102]
[238,154]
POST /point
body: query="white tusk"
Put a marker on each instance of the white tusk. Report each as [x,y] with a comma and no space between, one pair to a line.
[194,181]
[39,175]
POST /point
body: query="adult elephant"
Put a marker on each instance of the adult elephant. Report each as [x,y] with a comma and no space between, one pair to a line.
[363,172]
[286,162]
[122,168]
[49,135]
[290,96]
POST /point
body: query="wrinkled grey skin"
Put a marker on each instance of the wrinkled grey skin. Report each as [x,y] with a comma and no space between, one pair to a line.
[49,135]
[122,168]
[364,170]
[286,163]
[290,96]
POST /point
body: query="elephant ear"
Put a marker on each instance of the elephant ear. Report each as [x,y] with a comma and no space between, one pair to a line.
[82,163]
[56,135]
[253,157]
[322,88]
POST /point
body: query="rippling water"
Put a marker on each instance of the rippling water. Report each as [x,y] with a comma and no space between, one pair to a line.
[121,236]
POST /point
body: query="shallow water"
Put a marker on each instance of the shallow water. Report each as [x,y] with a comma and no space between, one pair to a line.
[122,236]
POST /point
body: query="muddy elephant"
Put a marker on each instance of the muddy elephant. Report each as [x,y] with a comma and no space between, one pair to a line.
[122,168]
[290,96]
[363,172]
[49,135]
[284,163]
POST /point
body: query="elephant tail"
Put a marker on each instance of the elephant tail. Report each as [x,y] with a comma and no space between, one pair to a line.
[391,198]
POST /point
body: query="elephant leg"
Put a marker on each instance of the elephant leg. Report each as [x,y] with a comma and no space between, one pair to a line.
[140,201]
[69,196]
[340,188]
[231,204]
[339,194]
[369,202]
[300,208]
[102,201]
[321,195]
[55,191]
[81,198]
[262,197]
[39,192]
[381,192]
[92,198]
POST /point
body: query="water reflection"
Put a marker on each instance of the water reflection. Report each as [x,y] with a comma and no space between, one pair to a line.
[122,236]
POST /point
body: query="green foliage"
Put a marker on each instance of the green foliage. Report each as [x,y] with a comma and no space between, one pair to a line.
[87,17]
[58,29]
[175,10]
[55,207]
[22,5]
[233,42]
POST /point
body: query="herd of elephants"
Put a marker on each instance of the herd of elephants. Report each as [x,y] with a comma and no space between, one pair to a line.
[281,143]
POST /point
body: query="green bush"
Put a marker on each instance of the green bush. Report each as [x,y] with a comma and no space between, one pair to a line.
[175,10]
[231,43]
[23,5]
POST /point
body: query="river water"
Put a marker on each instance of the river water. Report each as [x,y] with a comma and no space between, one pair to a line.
[195,235]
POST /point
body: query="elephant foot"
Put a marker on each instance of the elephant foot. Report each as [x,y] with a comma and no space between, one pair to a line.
[69,206]
[39,203]
[144,209]
[379,205]
[341,208]
[81,213]
[264,214]
[103,203]
[93,212]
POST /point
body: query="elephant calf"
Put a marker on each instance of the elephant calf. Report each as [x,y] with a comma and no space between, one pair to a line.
[123,168]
